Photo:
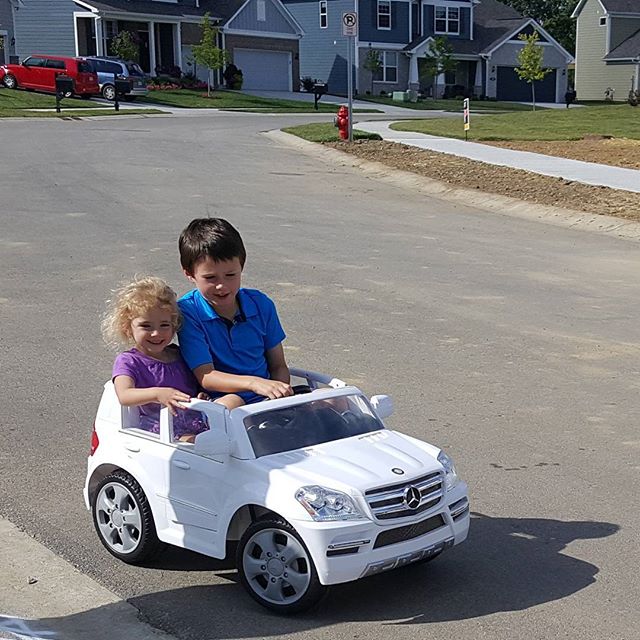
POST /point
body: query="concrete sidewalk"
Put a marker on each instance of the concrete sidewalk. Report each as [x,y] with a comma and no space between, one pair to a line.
[575,170]
[42,597]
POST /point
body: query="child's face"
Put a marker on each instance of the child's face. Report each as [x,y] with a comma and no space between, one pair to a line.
[152,331]
[218,282]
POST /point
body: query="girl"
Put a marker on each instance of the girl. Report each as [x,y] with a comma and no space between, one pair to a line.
[145,314]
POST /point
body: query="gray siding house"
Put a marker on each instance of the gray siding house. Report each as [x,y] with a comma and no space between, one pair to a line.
[261,36]
[482,33]
[7,34]
[607,48]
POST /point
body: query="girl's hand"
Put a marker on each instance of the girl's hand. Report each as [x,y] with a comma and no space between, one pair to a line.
[171,398]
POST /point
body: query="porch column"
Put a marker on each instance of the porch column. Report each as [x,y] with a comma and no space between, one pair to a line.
[100,37]
[636,78]
[152,48]
[414,78]
[477,83]
[177,41]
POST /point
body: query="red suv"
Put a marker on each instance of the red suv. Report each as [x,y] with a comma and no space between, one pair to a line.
[39,72]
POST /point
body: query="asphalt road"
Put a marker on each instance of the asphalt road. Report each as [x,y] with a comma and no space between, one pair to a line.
[513,344]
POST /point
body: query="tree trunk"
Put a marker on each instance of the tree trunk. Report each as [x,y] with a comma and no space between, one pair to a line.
[533,94]
[209,79]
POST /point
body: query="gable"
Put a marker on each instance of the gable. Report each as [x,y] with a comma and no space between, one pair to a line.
[268,16]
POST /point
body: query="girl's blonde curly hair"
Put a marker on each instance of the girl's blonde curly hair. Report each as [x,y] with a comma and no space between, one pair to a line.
[133,300]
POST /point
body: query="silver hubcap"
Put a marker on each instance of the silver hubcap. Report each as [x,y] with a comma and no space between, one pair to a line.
[109,93]
[9,82]
[118,518]
[277,566]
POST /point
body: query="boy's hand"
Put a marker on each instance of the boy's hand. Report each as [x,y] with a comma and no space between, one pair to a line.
[171,398]
[271,389]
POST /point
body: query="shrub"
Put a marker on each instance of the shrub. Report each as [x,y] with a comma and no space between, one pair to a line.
[307,83]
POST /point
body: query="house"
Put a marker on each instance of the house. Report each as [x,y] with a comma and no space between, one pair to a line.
[482,33]
[7,38]
[607,48]
[260,35]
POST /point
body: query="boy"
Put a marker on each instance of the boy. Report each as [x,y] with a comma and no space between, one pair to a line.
[231,338]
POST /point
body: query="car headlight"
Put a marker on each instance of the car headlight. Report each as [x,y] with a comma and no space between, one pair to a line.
[450,476]
[326,504]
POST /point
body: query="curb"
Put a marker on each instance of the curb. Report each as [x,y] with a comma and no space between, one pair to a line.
[503,205]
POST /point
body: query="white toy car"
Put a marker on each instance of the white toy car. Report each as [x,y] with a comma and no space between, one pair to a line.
[314,487]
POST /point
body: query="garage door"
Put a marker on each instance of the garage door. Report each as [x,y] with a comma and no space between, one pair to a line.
[510,87]
[267,70]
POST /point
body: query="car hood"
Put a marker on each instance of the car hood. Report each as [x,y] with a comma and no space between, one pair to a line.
[354,464]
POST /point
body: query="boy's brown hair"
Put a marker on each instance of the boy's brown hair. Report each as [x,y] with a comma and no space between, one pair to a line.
[215,238]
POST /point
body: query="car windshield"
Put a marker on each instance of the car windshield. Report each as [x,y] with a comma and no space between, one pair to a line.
[134,69]
[310,423]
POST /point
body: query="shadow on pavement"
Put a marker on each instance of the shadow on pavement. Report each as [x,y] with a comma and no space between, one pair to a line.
[507,564]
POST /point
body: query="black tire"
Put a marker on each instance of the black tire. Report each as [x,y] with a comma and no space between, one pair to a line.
[270,553]
[10,82]
[108,92]
[123,519]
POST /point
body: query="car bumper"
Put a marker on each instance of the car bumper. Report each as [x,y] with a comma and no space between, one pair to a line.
[345,551]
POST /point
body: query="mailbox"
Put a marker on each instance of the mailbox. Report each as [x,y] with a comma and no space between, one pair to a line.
[122,86]
[319,89]
[65,87]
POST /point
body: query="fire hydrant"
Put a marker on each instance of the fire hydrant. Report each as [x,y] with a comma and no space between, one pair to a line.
[342,122]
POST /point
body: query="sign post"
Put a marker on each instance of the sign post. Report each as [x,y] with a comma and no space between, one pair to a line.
[465,107]
[350,30]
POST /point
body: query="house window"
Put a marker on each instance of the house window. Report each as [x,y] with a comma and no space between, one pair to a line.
[388,71]
[324,20]
[603,21]
[447,20]
[262,13]
[384,14]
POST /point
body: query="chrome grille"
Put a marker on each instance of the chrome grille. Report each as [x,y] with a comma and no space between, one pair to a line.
[391,501]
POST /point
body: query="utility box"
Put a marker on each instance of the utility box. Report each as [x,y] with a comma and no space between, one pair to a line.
[400,96]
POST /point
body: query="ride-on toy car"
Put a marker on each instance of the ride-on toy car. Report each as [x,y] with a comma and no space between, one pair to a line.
[314,487]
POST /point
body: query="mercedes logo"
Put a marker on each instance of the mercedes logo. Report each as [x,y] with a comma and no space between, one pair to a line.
[412,497]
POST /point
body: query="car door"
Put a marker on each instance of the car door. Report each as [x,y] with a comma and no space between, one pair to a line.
[197,487]
[31,73]
[52,68]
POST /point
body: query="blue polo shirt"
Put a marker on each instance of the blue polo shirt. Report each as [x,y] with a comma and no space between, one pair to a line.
[237,347]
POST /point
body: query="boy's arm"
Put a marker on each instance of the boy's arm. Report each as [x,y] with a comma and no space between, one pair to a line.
[278,369]
[213,380]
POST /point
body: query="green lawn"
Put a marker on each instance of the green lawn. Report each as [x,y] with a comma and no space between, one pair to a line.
[232,100]
[325,132]
[18,99]
[619,121]
[450,105]
[16,104]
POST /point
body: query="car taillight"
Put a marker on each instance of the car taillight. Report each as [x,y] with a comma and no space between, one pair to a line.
[94,441]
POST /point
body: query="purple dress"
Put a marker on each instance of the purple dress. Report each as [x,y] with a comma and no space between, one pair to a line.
[148,372]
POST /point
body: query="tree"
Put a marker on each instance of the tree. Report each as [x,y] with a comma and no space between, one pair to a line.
[439,60]
[207,53]
[530,61]
[373,63]
[553,15]
[125,46]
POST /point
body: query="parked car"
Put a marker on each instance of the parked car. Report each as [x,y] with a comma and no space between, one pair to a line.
[39,72]
[315,489]
[107,68]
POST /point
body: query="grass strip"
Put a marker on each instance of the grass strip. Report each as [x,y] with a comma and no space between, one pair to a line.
[326,132]
[616,121]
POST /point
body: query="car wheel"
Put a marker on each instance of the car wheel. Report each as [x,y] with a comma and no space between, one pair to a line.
[10,82]
[108,92]
[123,519]
[276,568]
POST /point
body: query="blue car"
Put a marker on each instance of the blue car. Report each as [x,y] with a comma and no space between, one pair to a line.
[107,68]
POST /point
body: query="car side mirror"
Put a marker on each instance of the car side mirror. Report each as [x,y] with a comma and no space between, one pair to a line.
[382,405]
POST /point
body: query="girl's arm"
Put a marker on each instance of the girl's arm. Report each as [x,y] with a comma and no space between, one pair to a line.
[130,396]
